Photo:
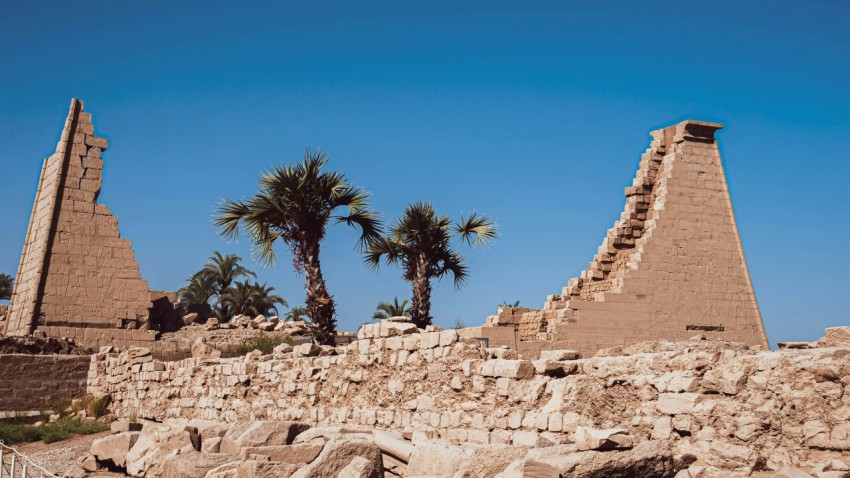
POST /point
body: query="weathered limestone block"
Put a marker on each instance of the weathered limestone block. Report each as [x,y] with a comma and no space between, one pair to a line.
[516,369]
[677,403]
[155,443]
[835,337]
[651,458]
[193,464]
[114,448]
[587,438]
[433,458]
[559,355]
[259,433]
[350,458]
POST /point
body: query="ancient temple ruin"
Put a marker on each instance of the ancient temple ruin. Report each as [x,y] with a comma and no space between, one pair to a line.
[671,267]
[77,276]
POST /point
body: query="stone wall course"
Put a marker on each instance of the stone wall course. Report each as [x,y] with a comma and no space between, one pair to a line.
[711,394]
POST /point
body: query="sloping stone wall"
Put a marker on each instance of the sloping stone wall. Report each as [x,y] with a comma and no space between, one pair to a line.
[672,266]
[76,271]
[734,405]
[40,382]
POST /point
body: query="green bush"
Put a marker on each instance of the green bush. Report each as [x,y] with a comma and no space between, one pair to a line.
[94,406]
[16,431]
[261,342]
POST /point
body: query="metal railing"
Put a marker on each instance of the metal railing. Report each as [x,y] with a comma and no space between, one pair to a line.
[14,464]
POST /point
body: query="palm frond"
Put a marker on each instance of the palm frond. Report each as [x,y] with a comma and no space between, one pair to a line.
[482,227]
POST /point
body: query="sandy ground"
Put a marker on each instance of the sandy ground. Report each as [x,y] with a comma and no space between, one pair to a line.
[61,457]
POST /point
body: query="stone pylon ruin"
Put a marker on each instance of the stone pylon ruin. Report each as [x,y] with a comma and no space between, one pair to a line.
[671,267]
[77,276]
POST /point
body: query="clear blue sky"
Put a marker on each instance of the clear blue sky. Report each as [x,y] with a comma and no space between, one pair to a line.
[533,112]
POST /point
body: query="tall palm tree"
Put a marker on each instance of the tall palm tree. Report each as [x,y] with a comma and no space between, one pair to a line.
[223,270]
[295,313]
[295,204]
[420,243]
[252,299]
[385,310]
[7,283]
[199,290]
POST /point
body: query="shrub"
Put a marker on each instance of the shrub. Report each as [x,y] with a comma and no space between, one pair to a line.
[16,431]
[94,406]
[261,342]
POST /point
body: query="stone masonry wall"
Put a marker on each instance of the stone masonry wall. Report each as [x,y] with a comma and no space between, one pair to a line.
[39,382]
[725,402]
[76,271]
[671,267]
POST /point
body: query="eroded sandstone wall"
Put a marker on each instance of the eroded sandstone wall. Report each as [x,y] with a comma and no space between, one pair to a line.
[671,267]
[77,276]
[40,382]
[725,402]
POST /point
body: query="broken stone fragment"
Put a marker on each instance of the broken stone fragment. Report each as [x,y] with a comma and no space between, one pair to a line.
[587,438]
[354,457]
[193,464]
[259,433]
[306,350]
[835,337]
[559,355]
[113,449]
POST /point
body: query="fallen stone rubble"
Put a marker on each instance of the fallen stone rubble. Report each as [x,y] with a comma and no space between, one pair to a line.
[435,404]
[265,449]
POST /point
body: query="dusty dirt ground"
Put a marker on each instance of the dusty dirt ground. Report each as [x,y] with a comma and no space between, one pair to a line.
[60,457]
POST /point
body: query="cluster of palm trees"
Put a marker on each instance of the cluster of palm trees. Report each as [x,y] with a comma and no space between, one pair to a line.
[7,283]
[295,204]
[385,310]
[217,282]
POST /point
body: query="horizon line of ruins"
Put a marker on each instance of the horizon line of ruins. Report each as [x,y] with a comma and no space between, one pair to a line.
[671,267]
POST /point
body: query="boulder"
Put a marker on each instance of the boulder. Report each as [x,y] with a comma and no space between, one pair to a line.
[88,463]
[121,425]
[477,461]
[113,449]
[300,453]
[350,458]
[587,438]
[527,468]
[259,433]
[156,442]
[193,464]
[264,469]
[306,350]
[390,329]
[647,459]
[189,318]
[559,355]
[835,337]
[200,349]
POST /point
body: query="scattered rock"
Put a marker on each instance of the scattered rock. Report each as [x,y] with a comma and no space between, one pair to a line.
[587,438]
[113,449]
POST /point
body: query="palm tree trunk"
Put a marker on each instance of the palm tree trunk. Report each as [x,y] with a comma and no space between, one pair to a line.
[421,307]
[320,305]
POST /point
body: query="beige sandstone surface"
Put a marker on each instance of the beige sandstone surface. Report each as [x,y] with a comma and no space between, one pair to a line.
[721,407]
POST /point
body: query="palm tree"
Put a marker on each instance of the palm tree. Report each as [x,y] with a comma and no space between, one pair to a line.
[508,304]
[295,204]
[420,243]
[199,290]
[222,270]
[251,299]
[295,313]
[385,310]
[7,283]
